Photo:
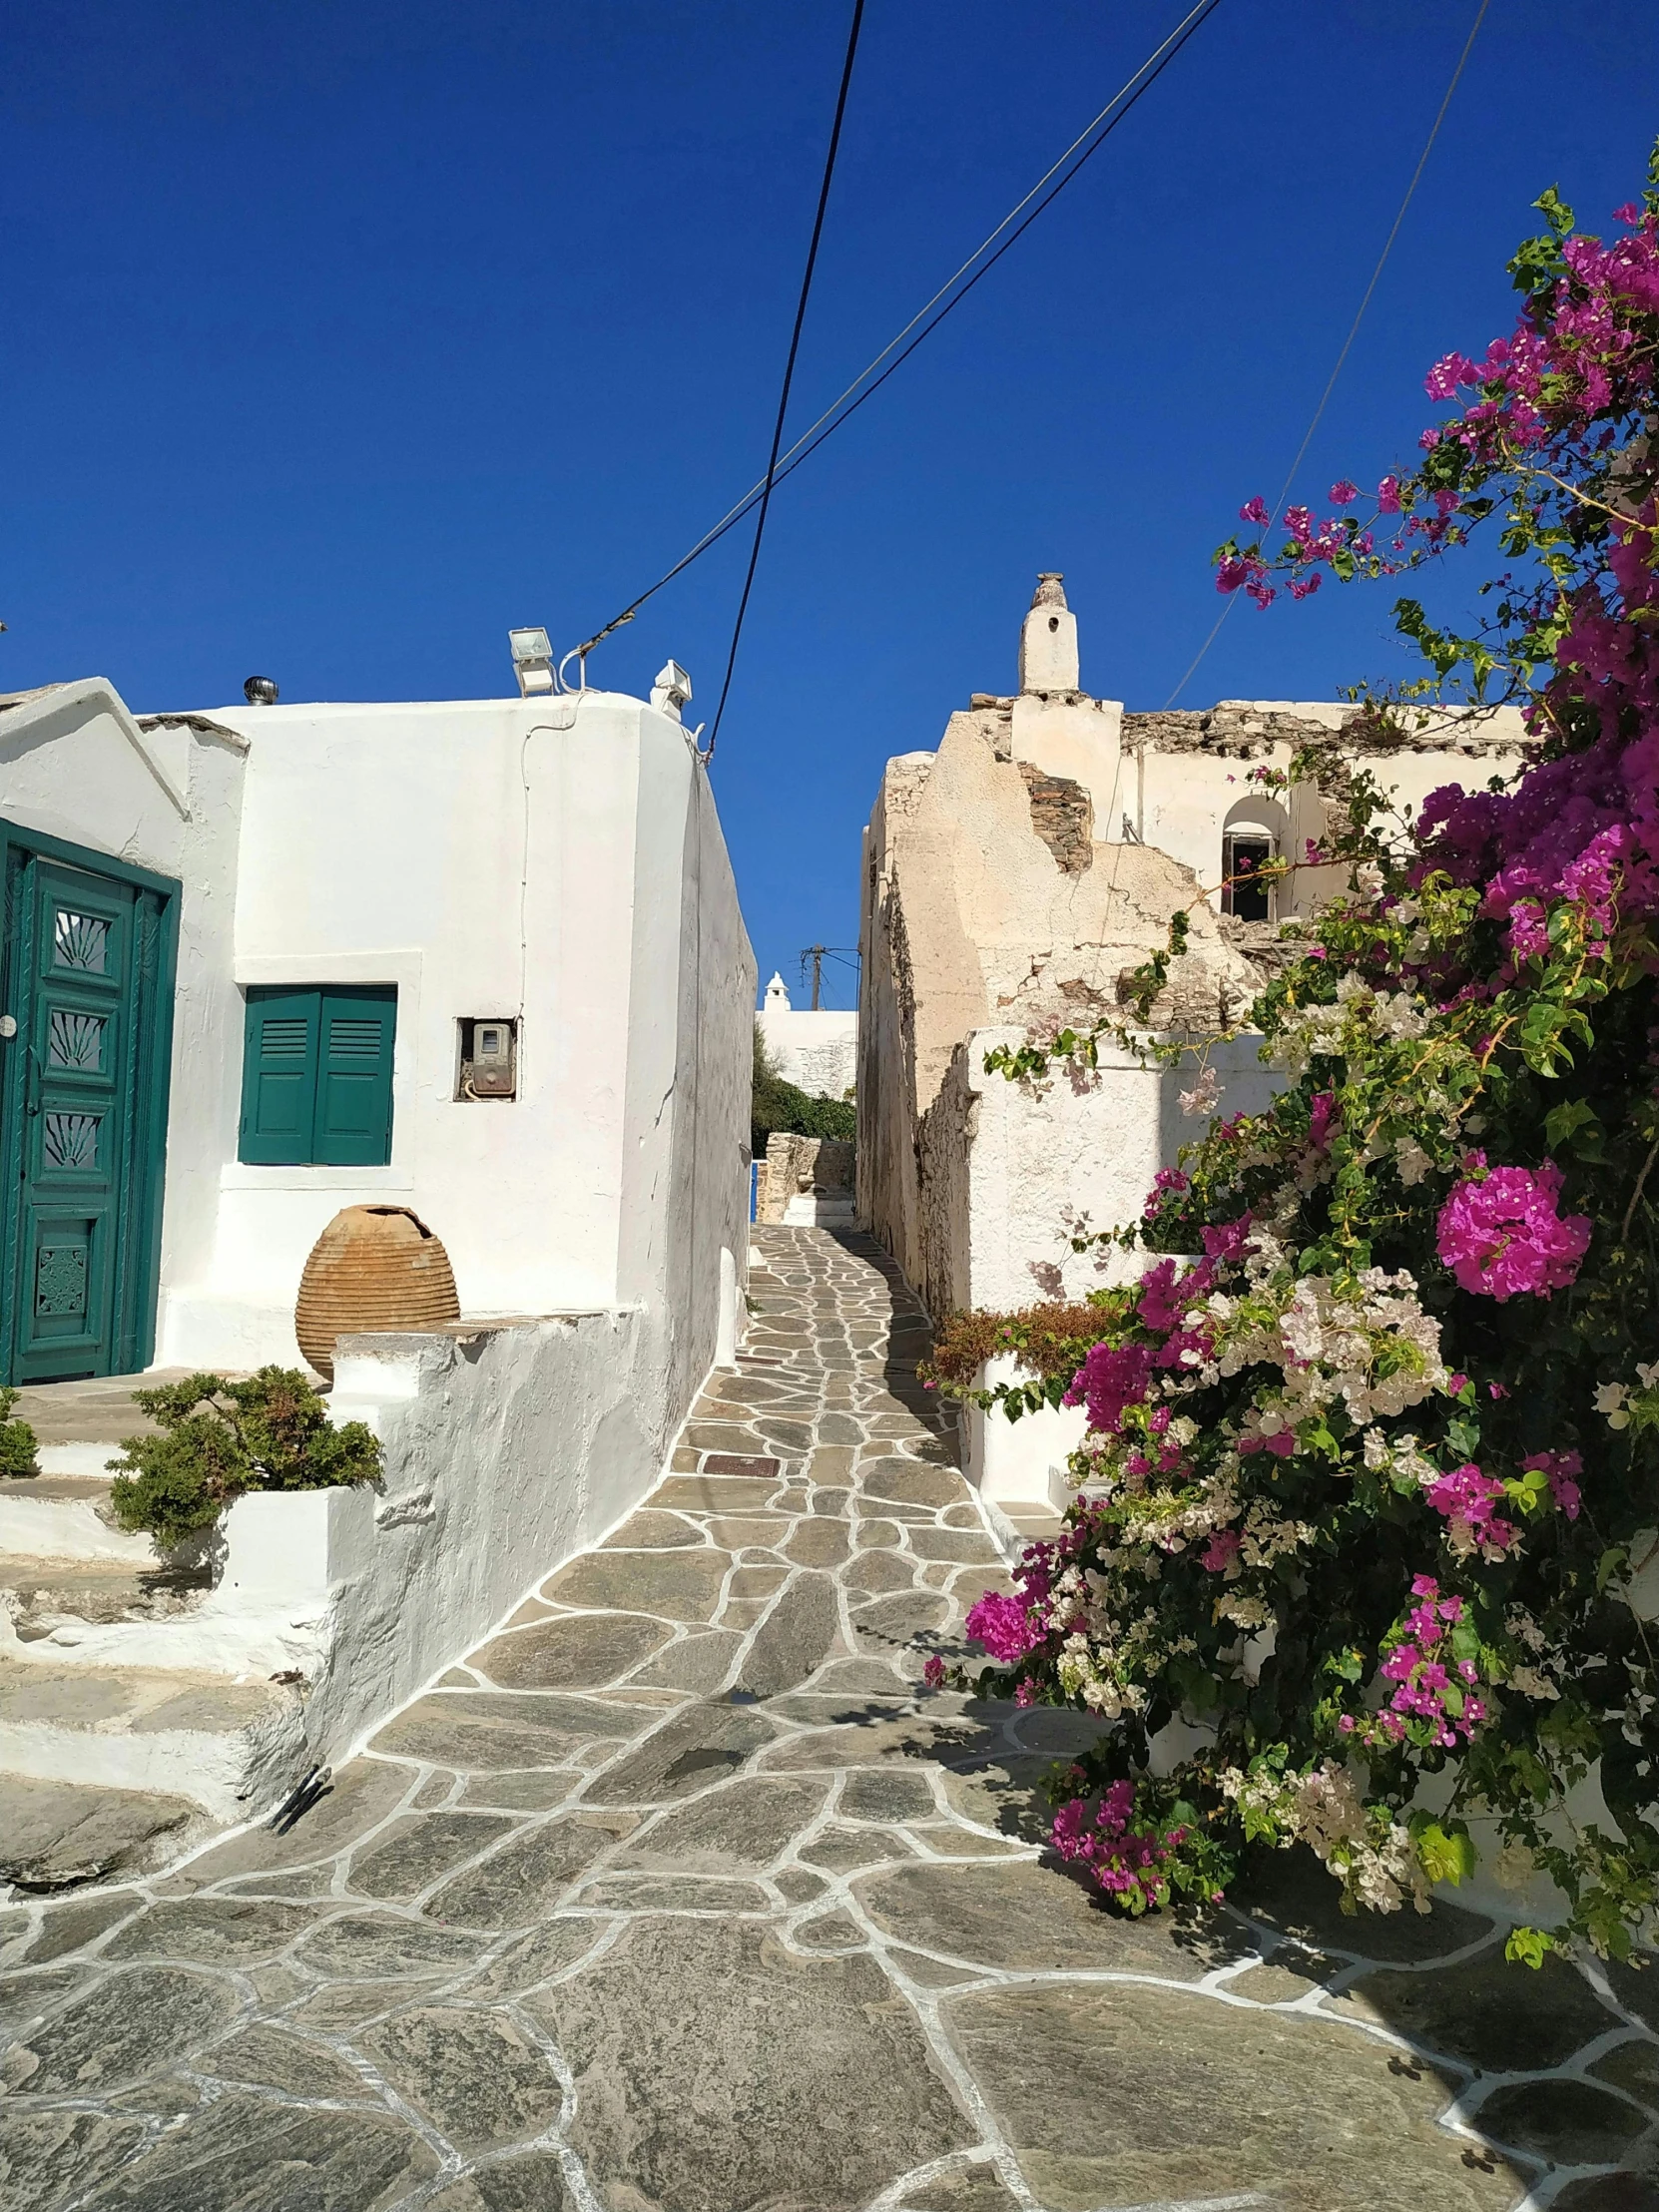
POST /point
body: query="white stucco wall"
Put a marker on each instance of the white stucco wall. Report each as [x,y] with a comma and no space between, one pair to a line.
[558,860]
[814,1050]
[488,857]
[1034,1157]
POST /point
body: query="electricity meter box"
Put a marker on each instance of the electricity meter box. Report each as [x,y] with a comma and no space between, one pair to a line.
[489,1057]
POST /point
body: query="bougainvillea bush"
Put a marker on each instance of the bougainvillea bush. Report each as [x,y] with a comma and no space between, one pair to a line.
[1371,1478]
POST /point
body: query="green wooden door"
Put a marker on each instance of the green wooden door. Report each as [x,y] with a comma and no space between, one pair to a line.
[88,982]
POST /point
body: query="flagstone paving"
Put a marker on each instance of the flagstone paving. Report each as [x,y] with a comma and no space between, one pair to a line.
[679,1896]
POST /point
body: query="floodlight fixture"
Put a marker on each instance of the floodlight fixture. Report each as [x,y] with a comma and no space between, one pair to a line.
[673,689]
[532,662]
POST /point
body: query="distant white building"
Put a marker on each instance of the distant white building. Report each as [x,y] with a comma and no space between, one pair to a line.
[816,1050]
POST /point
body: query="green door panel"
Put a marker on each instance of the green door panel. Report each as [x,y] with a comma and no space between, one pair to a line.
[86,972]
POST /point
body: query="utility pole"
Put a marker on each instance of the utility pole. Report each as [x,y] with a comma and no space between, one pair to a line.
[815,953]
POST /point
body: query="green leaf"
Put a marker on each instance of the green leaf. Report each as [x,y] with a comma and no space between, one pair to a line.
[1576,1124]
[1444,1854]
[1529,1946]
[1612,1562]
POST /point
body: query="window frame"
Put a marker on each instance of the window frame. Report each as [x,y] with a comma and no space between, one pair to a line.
[1256,836]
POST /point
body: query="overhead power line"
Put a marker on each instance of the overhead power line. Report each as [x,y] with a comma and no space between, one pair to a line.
[1082,148]
[1348,342]
[789,367]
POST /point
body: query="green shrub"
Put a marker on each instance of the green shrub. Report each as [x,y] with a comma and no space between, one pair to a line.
[17,1440]
[219,1440]
[779,1105]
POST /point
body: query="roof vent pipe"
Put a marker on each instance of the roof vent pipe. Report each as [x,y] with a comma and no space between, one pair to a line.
[260,691]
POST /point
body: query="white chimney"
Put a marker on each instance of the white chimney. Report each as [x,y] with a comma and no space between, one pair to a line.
[1048,642]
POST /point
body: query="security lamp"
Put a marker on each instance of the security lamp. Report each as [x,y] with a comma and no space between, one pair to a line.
[532,661]
[672,690]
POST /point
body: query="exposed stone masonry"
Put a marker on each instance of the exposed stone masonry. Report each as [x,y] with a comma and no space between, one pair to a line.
[1242,726]
[678,1896]
[1062,814]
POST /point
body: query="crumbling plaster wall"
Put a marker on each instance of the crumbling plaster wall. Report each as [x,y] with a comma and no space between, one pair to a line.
[982,906]
[1187,772]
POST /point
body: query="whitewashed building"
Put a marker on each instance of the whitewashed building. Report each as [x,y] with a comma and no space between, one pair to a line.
[478,958]
[815,1049]
[1013,878]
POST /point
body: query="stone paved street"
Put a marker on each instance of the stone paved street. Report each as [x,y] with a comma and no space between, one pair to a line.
[679,1897]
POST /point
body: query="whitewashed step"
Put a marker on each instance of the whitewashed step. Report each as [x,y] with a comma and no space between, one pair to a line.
[232,1748]
[67,1516]
[41,1595]
[82,1459]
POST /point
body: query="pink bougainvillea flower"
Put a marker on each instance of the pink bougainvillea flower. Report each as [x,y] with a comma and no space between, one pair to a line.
[1167,1183]
[1501,1237]
[1221,1552]
[1467,1497]
[1003,1627]
[1111,1380]
[1343,493]
[1254,510]
[933,1672]
[1323,1115]
[1563,1469]
[1126,1861]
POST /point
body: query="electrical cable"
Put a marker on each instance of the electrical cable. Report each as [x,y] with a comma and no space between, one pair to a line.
[1348,342]
[1139,82]
[788,367]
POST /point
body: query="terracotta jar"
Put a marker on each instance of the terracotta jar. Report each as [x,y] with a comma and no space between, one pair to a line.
[373,1267]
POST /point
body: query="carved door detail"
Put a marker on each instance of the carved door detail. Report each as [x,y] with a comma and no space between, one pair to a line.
[83,1096]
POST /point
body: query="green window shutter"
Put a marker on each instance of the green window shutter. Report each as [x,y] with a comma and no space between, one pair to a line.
[354,1090]
[278,1077]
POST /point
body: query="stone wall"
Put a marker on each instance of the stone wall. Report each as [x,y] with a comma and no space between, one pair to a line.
[983,905]
[805,1182]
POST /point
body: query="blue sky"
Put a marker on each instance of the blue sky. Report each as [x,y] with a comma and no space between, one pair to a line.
[340,339]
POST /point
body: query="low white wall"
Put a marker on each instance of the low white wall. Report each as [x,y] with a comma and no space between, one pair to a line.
[1008,1166]
[1019,1462]
[507,1453]
[506,1450]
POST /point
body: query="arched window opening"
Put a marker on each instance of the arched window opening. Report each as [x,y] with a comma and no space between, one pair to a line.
[1246,892]
[1255,834]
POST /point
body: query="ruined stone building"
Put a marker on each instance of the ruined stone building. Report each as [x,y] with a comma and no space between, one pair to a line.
[1012,880]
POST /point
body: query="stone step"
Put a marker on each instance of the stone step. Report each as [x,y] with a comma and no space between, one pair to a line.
[57,1835]
[67,1516]
[41,1594]
[229,1747]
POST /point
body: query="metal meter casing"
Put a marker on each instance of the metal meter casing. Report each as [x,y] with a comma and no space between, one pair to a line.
[490,1056]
